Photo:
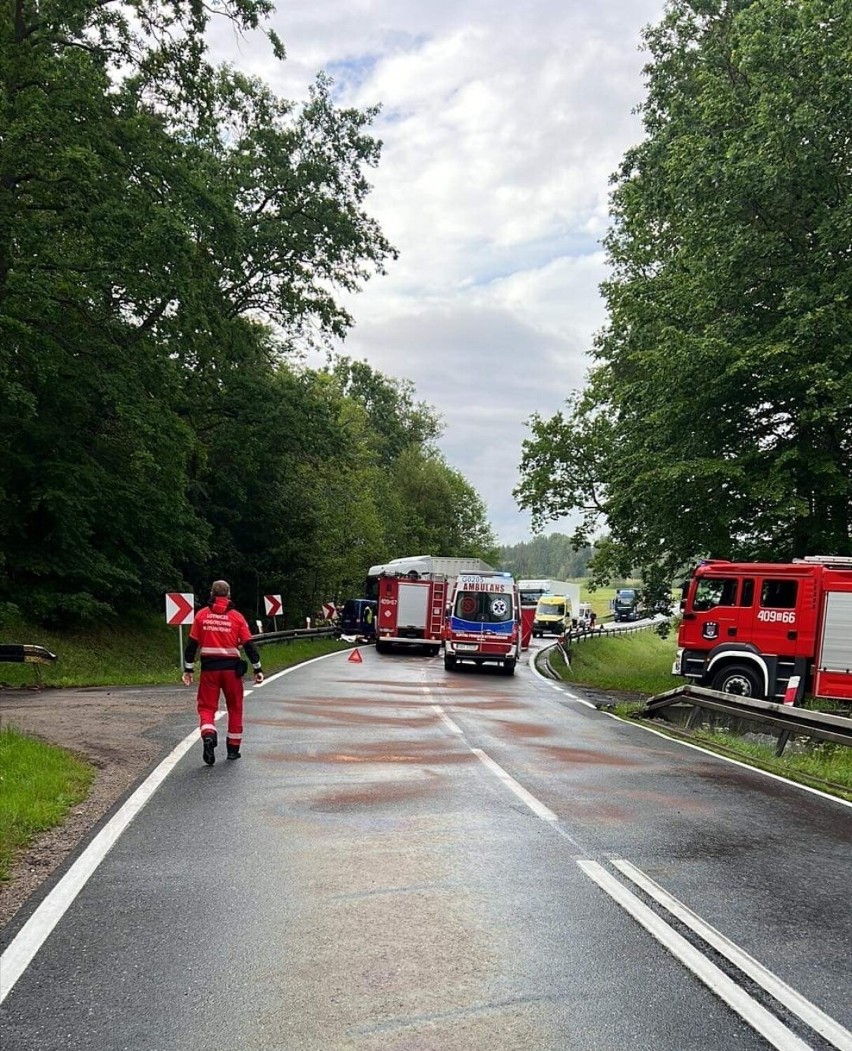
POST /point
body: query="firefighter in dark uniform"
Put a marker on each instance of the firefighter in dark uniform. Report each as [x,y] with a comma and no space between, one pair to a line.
[217,634]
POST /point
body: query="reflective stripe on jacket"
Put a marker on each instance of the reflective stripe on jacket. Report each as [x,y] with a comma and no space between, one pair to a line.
[217,633]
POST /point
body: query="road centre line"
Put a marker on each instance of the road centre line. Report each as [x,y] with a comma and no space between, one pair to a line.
[762,1020]
[22,949]
[446,719]
[537,807]
[752,1012]
[809,1013]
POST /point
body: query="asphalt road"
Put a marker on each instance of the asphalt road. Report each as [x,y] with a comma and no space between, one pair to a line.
[409,859]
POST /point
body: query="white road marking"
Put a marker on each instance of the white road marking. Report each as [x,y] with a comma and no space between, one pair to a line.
[537,807]
[20,952]
[733,762]
[763,1021]
[32,935]
[826,1026]
[446,719]
[304,664]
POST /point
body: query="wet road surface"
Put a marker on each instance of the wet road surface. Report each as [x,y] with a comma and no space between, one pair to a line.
[409,859]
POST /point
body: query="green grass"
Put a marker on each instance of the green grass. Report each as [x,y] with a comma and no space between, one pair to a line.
[38,785]
[138,651]
[819,764]
[635,662]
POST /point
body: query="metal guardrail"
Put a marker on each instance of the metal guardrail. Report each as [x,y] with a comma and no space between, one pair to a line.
[26,653]
[785,718]
[599,631]
[23,653]
[293,633]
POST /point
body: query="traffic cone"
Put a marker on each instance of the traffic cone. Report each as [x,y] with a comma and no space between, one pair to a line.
[355,657]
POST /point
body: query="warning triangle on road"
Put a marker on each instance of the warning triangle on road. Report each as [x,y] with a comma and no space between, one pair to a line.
[355,657]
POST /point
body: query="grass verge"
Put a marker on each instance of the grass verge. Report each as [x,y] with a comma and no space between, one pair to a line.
[638,662]
[139,651]
[38,785]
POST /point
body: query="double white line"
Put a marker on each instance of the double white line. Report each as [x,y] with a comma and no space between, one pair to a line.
[750,1010]
[757,1016]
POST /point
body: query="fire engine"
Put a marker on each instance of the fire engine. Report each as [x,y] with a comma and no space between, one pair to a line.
[484,621]
[412,595]
[767,630]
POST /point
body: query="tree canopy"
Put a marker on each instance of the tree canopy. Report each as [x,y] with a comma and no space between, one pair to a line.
[171,234]
[718,415]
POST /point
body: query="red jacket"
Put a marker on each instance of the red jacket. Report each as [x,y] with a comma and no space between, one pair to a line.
[218,632]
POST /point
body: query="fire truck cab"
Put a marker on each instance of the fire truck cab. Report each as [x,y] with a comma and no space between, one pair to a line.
[484,621]
[769,630]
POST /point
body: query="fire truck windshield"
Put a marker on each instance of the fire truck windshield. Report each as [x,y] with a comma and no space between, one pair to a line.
[714,591]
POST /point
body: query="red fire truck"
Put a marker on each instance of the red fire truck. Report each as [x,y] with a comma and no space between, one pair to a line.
[413,594]
[767,630]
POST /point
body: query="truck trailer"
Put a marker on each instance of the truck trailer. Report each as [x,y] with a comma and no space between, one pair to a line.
[555,603]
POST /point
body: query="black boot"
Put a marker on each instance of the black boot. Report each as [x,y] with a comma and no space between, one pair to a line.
[210,741]
[233,751]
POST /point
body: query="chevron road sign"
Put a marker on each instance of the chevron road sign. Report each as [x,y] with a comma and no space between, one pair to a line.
[180,608]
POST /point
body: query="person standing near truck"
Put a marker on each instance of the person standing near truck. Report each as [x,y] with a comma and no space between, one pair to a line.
[217,634]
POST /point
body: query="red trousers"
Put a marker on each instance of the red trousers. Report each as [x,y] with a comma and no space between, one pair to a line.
[209,685]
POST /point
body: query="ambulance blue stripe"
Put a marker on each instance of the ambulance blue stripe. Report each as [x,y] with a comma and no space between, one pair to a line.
[496,628]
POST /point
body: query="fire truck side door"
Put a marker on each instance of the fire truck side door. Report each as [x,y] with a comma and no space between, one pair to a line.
[714,616]
[783,623]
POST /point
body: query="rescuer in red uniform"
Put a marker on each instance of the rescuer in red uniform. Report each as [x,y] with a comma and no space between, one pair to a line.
[218,632]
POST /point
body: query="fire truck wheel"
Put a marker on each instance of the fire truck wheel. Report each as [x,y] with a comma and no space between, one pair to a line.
[433,651]
[738,679]
[381,647]
[508,667]
[449,662]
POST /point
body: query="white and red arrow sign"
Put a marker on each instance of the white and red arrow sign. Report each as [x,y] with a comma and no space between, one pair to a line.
[180,608]
[328,610]
[273,605]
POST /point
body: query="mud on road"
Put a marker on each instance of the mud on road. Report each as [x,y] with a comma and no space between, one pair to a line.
[123,731]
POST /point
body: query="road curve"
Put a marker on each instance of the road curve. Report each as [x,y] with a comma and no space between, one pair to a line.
[407,859]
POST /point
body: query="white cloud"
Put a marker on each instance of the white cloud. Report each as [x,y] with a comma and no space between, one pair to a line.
[501,125]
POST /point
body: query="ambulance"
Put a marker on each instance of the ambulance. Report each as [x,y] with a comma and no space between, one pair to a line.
[483,624]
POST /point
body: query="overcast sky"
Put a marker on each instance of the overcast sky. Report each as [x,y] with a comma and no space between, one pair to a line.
[502,123]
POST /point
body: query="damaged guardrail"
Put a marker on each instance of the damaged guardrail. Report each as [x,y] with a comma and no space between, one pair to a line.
[784,718]
[23,653]
[26,653]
